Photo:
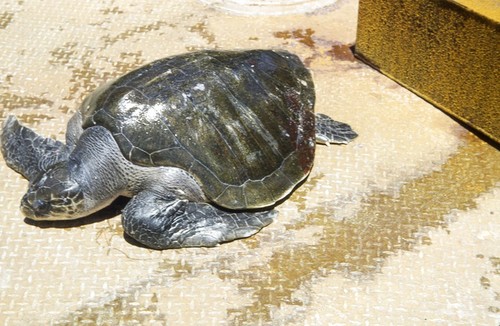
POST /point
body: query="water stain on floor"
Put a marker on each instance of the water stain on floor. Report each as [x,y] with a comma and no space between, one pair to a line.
[341,52]
[5,19]
[202,30]
[110,40]
[10,101]
[62,55]
[303,36]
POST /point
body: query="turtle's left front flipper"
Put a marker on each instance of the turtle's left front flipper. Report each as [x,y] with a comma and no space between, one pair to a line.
[28,153]
[161,223]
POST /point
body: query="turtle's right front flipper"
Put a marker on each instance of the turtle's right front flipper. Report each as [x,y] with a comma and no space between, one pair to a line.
[28,153]
[162,223]
[329,131]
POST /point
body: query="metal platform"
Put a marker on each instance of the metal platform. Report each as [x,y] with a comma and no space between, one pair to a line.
[399,227]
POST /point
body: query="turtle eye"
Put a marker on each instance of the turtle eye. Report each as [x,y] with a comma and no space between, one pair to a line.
[72,191]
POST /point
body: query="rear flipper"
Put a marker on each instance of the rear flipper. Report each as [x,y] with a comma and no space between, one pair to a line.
[28,153]
[329,131]
[162,223]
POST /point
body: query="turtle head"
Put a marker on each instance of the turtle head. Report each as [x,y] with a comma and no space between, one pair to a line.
[53,195]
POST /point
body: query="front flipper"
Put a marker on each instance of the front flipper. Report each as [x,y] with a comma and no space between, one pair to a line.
[28,153]
[329,131]
[173,223]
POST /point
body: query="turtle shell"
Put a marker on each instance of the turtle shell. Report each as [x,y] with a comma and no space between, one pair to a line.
[242,123]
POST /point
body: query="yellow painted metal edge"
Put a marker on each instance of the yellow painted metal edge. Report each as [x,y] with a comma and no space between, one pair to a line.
[367,55]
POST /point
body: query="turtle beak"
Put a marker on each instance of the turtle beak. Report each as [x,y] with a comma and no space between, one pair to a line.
[26,208]
[34,209]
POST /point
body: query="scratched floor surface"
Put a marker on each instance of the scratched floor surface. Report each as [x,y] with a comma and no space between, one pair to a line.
[399,227]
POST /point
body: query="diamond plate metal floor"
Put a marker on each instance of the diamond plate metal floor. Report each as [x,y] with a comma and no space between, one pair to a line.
[399,227]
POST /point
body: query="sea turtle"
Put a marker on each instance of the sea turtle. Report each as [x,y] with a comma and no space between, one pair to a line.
[204,143]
